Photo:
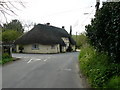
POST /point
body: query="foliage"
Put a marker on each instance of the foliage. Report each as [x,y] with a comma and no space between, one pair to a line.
[114,82]
[80,40]
[13,25]
[11,31]
[5,58]
[0,34]
[96,66]
[10,35]
[5,55]
[3,61]
[105,28]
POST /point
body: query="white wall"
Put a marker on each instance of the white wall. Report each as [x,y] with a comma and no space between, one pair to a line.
[73,47]
[17,48]
[66,41]
[42,49]
[63,49]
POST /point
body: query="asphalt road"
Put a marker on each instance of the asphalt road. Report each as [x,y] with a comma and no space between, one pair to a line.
[42,71]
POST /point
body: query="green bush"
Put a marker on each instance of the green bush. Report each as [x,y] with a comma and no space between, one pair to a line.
[114,82]
[5,55]
[105,28]
[5,58]
[80,39]
[96,66]
[3,61]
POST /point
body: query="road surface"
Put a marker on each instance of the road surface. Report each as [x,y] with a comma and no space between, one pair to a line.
[43,71]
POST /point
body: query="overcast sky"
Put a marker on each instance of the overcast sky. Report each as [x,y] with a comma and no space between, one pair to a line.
[77,13]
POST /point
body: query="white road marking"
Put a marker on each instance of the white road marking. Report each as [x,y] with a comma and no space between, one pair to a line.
[29,61]
[45,60]
[38,59]
[67,69]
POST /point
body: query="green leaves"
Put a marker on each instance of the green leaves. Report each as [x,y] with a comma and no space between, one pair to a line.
[5,58]
[12,31]
[80,39]
[104,31]
[96,66]
[14,25]
[10,35]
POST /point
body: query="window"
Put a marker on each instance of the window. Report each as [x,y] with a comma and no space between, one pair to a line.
[66,39]
[53,47]
[35,46]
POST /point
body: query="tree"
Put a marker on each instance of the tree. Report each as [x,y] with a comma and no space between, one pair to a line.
[104,31]
[7,7]
[10,32]
[80,40]
[14,25]
[0,33]
[10,35]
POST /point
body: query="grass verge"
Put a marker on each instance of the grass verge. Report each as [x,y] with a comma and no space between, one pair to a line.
[5,58]
[96,66]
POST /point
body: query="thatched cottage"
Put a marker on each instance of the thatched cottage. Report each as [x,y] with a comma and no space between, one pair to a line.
[44,38]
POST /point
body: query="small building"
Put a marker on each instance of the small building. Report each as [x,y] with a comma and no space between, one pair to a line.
[44,38]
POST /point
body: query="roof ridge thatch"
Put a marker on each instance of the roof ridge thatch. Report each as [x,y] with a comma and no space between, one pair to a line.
[43,34]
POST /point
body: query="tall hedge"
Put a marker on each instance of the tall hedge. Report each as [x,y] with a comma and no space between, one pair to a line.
[104,30]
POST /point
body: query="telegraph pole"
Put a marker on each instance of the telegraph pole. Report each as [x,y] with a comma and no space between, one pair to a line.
[70,30]
[76,36]
[76,40]
[97,5]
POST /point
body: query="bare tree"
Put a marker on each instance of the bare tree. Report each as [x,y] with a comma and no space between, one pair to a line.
[28,25]
[7,7]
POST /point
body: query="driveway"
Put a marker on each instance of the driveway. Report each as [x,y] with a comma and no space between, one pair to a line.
[43,71]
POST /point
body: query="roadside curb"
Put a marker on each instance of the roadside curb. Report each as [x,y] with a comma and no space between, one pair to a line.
[15,59]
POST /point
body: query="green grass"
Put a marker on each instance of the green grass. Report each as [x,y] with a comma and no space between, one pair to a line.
[114,82]
[97,67]
[5,58]
[3,61]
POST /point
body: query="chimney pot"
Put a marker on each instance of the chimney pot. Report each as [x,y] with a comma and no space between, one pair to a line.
[63,27]
[48,24]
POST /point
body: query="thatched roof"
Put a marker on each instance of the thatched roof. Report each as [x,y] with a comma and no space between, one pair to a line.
[44,34]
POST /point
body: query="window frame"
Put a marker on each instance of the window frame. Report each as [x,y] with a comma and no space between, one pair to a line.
[35,46]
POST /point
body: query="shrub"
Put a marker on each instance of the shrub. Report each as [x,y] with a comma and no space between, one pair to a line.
[80,39]
[96,66]
[5,58]
[3,61]
[5,55]
[114,82]
[105,28]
